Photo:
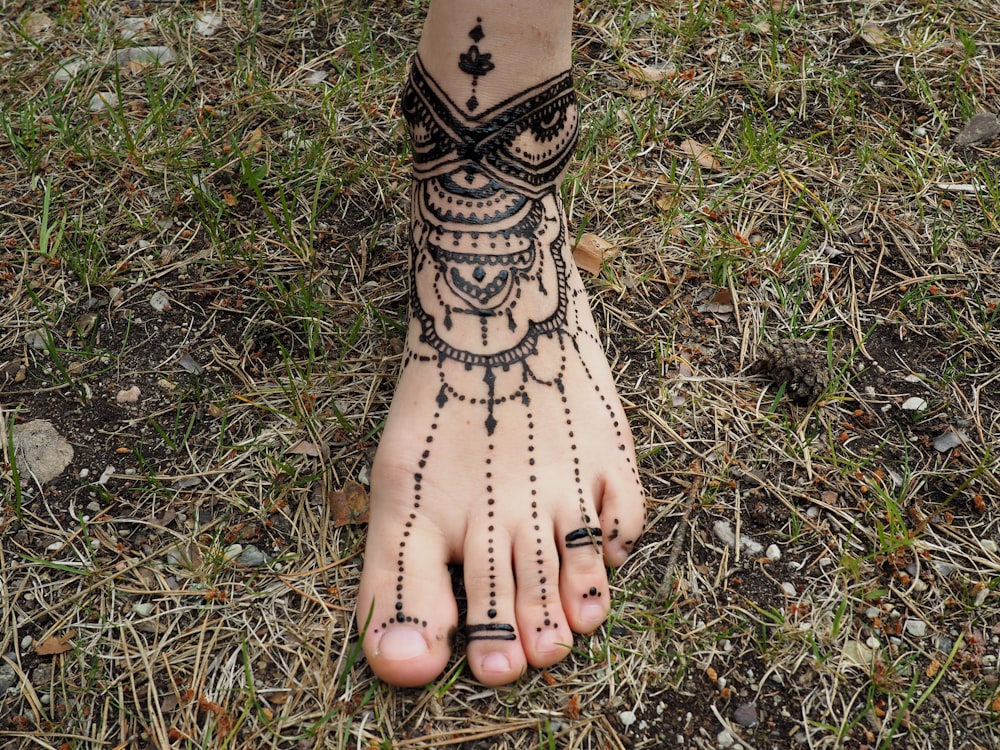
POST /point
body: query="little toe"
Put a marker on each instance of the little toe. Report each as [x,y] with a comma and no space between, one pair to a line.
[494,650]
[623,515]
[583,581]
[547,636]
[407,618]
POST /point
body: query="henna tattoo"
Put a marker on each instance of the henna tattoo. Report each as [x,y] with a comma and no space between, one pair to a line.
[489,238]
[475,63]
[490,632]
[588,536]
[593,593]
[490,284]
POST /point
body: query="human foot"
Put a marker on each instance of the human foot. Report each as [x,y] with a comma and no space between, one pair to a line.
[506,448]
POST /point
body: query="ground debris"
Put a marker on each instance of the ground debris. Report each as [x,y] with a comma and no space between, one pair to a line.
[984,126]
[798,364]
[40,450]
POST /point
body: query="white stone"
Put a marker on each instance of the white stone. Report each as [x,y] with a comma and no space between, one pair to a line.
[873,642]
[627,718]
[988,545]
[160,301]
[914,403]
[787,589]
[725,738]
[103,100]
[233,551]
[773,552]
[143,609]
[916,628]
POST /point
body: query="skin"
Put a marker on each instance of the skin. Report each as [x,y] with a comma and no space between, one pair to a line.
[506,448]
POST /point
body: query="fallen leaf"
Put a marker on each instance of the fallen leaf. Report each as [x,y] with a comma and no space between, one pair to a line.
[316,77]
[187,362]
[721,303]
[350,504]
[155,55]
[667,202]
[55,644]
[701,154]
[253,141]
[305,448]
[230,199]
[872,33]
[651,74]
[982,127]
[206,23]
[591,252]
[37,25]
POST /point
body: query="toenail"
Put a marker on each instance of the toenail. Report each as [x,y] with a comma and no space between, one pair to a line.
[591,611]
[400,644]
[496,663]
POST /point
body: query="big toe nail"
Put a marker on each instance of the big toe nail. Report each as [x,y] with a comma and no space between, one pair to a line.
[400,644]
[495,663]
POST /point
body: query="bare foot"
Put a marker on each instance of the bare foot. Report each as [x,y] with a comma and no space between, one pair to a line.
[506,447]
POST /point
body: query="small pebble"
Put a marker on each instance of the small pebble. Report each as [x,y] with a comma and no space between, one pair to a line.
[943,569]
[988,545]
[916,628]
[725,738]
[627,718]
[160,301]
[773,552]
[26,642]
[143,609]
[233,551]
[252,557]
[84,473]
[746,715]
[914,403]
[873,642]
[787,589]
[128,396]
[106,475]
[8,677]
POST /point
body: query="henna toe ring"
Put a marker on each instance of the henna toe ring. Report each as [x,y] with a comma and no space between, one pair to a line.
[490,632]
[585,537]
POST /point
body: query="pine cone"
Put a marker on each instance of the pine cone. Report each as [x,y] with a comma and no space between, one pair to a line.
[798,364]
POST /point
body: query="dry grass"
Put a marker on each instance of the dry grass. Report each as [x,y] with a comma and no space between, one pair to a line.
[269,207]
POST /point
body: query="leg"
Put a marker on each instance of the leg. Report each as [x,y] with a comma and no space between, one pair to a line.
[506,447]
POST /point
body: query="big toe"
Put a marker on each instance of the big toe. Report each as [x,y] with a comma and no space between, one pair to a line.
[406,610]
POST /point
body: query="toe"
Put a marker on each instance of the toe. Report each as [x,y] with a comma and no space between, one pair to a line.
[406,608]
[545,630]
[494,650]
[623,514]
[583,581]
